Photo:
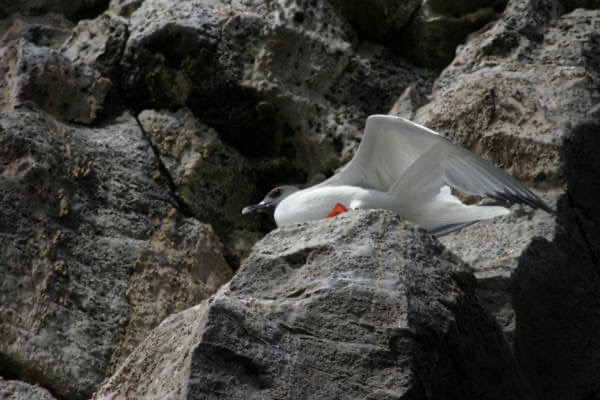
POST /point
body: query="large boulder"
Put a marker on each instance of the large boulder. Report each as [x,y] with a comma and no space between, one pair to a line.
[84,213]
[364,305]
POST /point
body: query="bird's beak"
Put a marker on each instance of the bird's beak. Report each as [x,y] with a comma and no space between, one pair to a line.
[264,207]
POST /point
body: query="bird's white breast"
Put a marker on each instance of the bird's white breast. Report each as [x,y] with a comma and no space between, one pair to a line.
[316,203]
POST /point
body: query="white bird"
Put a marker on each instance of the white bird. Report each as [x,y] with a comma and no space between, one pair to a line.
[407,168]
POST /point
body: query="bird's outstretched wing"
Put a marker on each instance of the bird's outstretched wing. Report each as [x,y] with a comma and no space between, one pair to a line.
[397,154]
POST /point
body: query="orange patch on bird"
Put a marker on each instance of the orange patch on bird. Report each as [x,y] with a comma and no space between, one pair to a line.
[337,210]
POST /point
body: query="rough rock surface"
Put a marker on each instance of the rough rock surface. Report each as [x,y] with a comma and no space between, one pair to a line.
[183,265]
[48,79]
[438,26]
[493,249]
[16,390]
[277,82]
[363,305]
[81,209]
[229,66]
[425,31]
[50,30]
[211,178]
[105,225]
[99,44]
[525,93]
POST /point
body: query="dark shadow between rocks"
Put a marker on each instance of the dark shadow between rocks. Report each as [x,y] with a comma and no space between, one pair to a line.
[556,285]
[244,119]
[73,10]
[11,369]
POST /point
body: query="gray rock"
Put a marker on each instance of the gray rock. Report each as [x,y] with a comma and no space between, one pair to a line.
[363,305]
[494,249]
[293,114]
[525,94]
[409,102]
[182,266]
[212,180]
[98,245]
[513,106]
[87,225]
[426,32]
[159,368]
[437,27]
[49,80]
[48,30]
[16,390]
[280,79]
[99,44]
[124,8]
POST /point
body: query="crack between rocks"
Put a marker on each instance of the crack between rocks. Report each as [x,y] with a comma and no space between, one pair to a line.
[401,31]
[410,19]
[176,201]
[297,330]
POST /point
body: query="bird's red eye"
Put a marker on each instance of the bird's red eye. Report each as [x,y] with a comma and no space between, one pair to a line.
[275,193]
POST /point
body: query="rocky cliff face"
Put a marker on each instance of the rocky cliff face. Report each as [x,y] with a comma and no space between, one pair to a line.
[133,132]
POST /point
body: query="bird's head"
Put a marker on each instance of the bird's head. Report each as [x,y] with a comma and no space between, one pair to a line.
[271,200]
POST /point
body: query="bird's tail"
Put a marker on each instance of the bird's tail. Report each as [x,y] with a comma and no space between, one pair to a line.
[445,213]
[424,198]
